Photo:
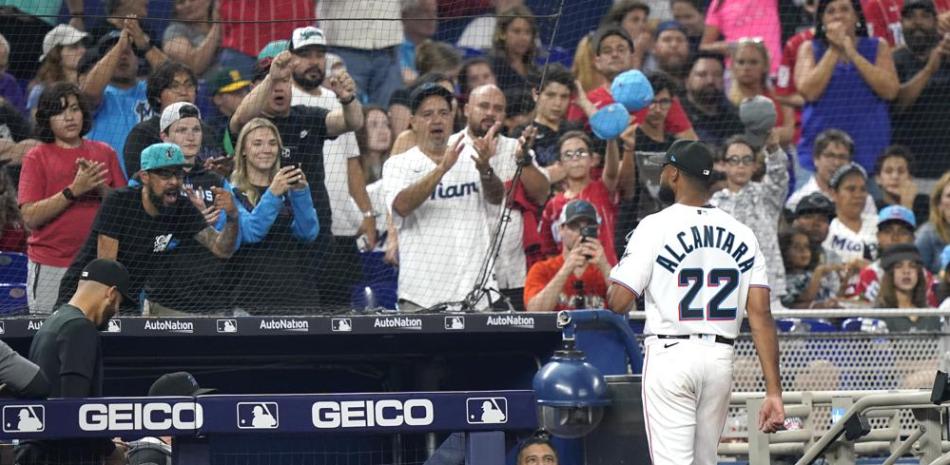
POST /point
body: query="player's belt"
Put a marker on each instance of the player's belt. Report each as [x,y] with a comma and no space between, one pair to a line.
[717,338]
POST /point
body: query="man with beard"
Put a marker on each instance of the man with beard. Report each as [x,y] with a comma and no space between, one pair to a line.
[700,271]
[923,67]
[484,112]
[350,205]
[303,131]
[670,51]
[437,201]
[118,96]
[68,350]
[713,116]
[141,226]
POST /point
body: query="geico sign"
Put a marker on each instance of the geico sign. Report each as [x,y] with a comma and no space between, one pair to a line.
[369,413]
[152,416]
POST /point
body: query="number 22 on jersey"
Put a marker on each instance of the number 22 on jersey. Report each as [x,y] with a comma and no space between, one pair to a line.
[718,302]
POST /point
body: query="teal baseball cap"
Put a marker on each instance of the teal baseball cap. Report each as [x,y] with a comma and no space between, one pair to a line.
[273,49]
[163,155]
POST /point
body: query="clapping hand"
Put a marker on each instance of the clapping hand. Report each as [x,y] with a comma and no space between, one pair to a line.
[211,213]
[485,148]
[450,156]
[89,175]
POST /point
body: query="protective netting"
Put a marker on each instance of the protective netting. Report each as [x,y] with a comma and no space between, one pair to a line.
[328,219]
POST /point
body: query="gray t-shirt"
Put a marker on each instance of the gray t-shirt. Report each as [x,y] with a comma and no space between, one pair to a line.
[15,370]
[194,36]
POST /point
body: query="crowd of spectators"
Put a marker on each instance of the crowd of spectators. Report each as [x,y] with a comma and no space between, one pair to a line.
[245,159]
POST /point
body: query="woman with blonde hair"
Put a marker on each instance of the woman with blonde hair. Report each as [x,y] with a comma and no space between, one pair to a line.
[750,77]
[277,218]
[935,235]
[583,67]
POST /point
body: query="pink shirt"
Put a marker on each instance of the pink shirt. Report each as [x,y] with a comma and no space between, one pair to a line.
[738,19]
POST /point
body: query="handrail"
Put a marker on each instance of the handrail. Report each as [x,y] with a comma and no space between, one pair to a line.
[740,398]
[839,313]
[921,398]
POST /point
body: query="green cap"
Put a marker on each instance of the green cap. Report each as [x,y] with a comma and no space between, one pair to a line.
[273,49]
[162,155]
[228,80]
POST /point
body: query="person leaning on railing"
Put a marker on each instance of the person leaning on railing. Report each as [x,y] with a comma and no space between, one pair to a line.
[277,218]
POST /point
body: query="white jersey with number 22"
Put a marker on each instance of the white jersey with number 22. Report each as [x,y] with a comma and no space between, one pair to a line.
[695,266]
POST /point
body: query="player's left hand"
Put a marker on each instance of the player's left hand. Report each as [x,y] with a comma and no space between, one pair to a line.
[772,414]
[343,86]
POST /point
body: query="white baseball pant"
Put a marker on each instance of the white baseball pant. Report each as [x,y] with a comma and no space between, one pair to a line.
[686,387]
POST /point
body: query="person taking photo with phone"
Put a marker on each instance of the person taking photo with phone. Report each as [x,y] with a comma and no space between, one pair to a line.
[575,279]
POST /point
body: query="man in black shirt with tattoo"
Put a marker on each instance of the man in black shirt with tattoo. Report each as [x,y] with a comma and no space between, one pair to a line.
[141,226]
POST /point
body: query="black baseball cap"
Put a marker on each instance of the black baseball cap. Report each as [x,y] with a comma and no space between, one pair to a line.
[692,157]
[816,202]
[179,383]
[110,273]
[926,5]
[425,91]
[578,209]
[899,252]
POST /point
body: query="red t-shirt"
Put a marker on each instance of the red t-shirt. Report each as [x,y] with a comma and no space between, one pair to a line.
[269,24]
[47,170]
[595,286]
[676,120]
[785,84]
[597,194]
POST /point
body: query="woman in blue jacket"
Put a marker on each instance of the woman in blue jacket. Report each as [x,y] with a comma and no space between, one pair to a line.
[277,218]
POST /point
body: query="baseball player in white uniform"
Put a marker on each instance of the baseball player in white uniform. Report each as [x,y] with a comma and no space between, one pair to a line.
[698,269]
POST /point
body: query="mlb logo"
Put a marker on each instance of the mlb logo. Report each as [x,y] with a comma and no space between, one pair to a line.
[114,326]
[24,418]
[486,410]
[343,325]
[227,326]
[454,323]
[257,415]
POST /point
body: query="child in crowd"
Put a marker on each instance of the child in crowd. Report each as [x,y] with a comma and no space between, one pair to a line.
[904,285]
[807,283]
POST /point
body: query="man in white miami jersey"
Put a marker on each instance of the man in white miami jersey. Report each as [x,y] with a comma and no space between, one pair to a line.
[698,269]
[437,199]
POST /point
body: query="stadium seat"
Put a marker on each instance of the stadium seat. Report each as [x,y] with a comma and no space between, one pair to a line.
[13,299]
[864,325]
[379,276]
[13,268]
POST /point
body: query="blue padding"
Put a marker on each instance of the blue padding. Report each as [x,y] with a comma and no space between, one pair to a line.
[604,349]
[13,299]
[12,267]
